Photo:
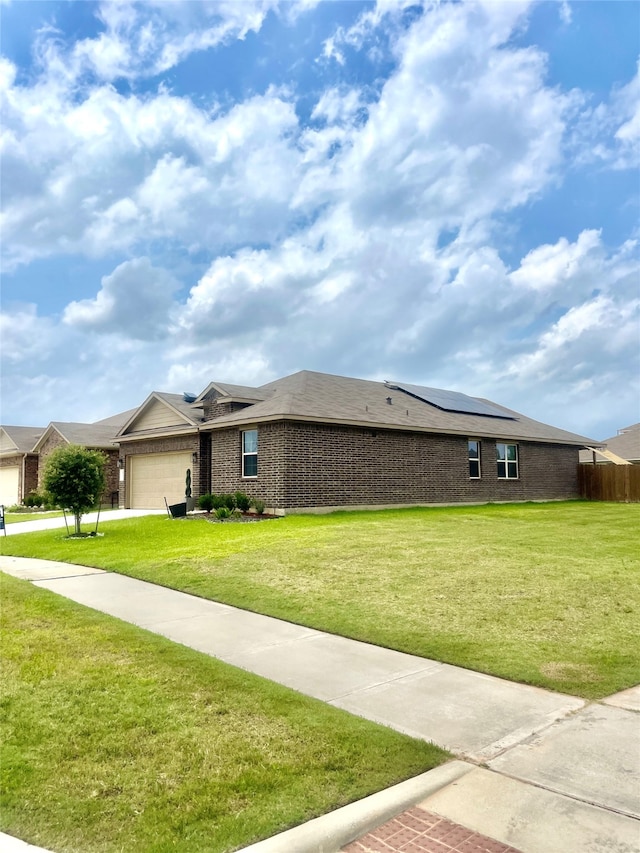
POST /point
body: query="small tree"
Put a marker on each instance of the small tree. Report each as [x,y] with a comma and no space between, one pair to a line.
[75,479]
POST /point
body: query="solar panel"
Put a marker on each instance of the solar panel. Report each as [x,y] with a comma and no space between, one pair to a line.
[452,401]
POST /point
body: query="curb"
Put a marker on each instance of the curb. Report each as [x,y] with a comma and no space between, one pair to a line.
[330,832]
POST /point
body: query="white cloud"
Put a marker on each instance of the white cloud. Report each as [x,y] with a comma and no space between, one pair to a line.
[143,40]
[134,301]
[173,171]
[548,267]
[609,132]
[26,336]
[566,15]
[364,242]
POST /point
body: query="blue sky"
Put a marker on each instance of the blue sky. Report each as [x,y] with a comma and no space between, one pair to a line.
[444,194]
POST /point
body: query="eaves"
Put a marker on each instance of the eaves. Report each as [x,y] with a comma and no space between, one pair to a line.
[162,432]
[399,427]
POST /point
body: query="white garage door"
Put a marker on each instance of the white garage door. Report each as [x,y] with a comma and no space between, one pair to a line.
[157,476]
[9,480]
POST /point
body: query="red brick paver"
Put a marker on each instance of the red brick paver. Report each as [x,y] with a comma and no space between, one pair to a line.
[420,831]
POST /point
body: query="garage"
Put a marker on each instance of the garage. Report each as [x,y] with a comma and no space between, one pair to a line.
[156,476]
[9,485]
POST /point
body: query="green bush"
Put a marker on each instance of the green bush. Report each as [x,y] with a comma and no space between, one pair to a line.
[223,512]
[243,502]
[259,506]
[206,502]
[223,500]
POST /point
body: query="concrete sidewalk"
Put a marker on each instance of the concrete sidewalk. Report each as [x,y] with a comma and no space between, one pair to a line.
[88,520]
[558,775]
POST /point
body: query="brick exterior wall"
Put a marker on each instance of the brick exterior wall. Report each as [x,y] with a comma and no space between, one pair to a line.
[111,468]
[226,464]
[212,409]
[53,441]
[31,464]
[192,443]
[315,465]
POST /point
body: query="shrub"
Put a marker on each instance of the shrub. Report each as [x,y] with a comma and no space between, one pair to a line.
[259,506]
[223,512]
[38,500]
[229,501]
[243,502]
[206,502]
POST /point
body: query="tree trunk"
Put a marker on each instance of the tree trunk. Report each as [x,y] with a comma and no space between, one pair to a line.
[77,516]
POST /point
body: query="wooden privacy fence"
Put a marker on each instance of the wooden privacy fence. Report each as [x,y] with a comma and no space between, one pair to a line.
[609,482]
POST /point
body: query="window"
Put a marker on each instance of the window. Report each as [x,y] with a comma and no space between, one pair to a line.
[507,461]
[474,459]
[250,453]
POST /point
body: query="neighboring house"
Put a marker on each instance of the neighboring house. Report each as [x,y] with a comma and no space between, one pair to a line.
[159,443]
[96,436]
[316,441]
[18,463]
[620,448]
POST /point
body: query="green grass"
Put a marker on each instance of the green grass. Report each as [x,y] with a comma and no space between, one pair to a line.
[15,517]
[115,739]
[546,594]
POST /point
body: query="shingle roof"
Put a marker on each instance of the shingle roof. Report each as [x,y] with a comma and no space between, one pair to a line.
[226,389]
[117,420]
[87,435]
[325,398]
[23,437]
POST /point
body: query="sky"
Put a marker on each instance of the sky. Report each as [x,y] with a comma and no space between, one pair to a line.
[443,194]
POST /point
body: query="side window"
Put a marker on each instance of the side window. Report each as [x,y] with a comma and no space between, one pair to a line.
[507,455]
[250,453]
[474,459]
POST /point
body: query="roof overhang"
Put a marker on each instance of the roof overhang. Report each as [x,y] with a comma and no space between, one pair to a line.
[161,433]
[377,425]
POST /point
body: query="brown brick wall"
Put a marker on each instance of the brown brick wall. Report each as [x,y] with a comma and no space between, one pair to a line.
[168,445]
[314,465]
[212,409]
[31,464]
[46,449]
[111,468]
[226,464]
[111,476]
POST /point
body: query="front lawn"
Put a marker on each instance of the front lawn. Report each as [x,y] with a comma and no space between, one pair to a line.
[546,594]
[16,517]
[115,739]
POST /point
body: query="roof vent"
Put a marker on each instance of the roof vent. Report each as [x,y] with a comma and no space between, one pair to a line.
[189,397]
[389,401]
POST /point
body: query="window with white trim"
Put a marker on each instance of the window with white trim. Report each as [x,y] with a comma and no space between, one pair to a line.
[474,459]
[507,455]
[250,453]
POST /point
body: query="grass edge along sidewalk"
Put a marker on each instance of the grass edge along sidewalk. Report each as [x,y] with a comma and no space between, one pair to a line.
[544,594]
[115,738]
